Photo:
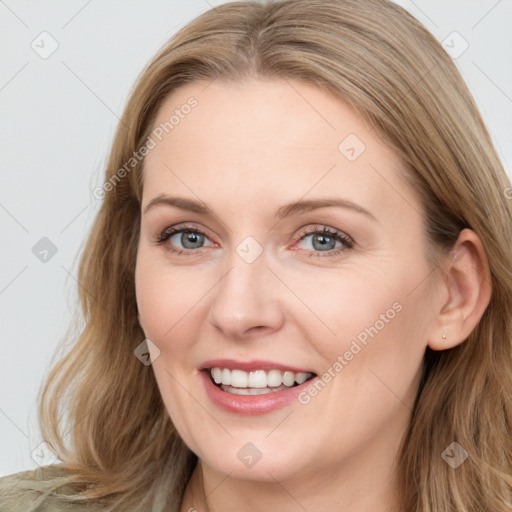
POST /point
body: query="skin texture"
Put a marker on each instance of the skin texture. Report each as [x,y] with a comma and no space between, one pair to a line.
[245,150]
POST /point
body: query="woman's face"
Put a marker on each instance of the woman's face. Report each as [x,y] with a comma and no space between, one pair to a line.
[252,287]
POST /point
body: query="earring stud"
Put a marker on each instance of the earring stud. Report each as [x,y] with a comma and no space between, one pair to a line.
[444,336]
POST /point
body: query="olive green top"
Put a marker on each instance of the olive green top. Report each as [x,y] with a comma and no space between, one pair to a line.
[25,492]
[41,490]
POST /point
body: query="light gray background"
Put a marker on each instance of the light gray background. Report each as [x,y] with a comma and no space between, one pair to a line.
[59,115]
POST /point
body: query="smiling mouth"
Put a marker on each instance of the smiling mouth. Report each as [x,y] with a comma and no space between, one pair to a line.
[257,382]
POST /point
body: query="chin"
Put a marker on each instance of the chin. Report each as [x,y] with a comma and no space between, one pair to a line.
[264,460]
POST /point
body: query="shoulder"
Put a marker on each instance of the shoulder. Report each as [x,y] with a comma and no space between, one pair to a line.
[31,491]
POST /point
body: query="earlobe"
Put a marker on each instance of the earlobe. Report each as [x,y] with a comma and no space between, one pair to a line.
[467,280]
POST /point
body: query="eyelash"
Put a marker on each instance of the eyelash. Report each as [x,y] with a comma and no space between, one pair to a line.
[337,235]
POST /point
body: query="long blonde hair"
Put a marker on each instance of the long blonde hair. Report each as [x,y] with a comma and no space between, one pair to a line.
[100,408]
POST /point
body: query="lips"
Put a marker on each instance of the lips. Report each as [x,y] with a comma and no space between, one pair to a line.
[252,387]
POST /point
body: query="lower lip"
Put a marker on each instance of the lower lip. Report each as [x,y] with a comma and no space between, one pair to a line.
[251,405]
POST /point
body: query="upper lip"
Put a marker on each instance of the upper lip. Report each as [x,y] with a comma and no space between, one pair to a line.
[252,365]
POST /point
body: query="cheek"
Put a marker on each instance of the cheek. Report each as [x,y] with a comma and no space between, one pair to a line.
[339,306]
[167,298]
[381,363]
[378,332]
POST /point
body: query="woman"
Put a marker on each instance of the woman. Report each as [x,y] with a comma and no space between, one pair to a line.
[297,291]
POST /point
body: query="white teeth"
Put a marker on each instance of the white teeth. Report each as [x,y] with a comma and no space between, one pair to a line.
[257,381]
[226,377]
[217,375]
[250,391]
[238,379]
[301,377]
[274,378]
[288,378]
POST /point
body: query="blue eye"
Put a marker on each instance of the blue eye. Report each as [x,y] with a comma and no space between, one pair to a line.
[324,241]
[192,239]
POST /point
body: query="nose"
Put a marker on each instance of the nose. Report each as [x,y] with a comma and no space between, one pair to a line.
[246,301]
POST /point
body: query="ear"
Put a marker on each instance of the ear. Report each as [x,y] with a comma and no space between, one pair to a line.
[467,284]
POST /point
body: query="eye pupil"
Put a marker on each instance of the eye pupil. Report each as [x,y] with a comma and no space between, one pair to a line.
[190,237]
[324,241]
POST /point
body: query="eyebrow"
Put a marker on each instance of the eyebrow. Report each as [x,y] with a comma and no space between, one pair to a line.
[287,210]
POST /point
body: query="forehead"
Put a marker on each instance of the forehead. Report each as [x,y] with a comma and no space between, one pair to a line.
[269,140]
